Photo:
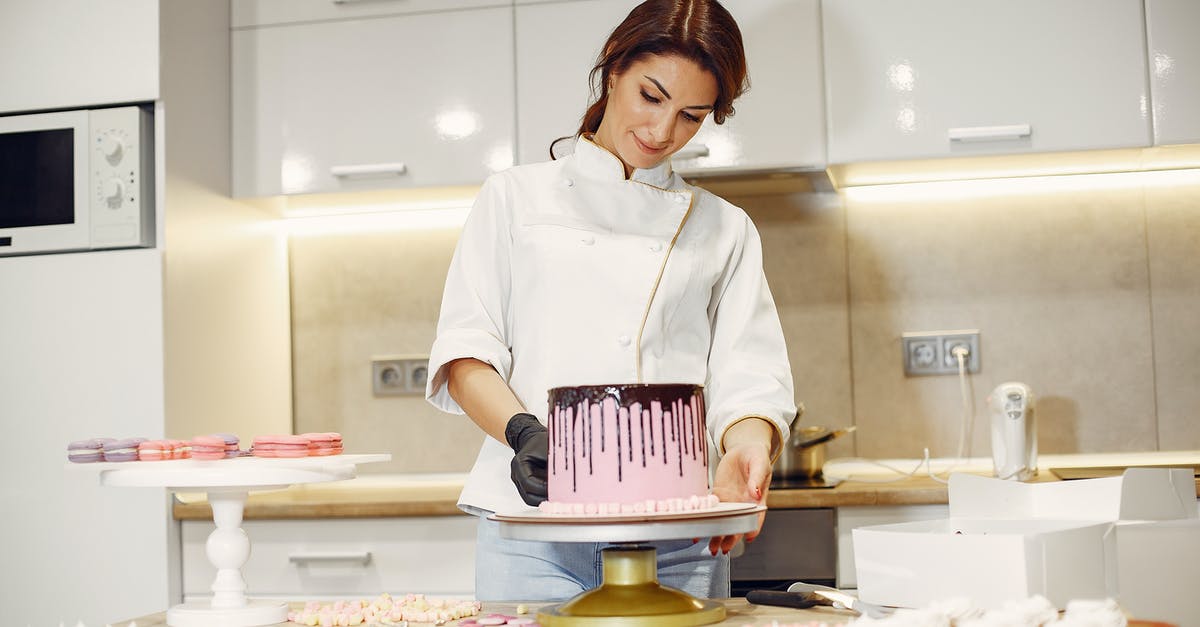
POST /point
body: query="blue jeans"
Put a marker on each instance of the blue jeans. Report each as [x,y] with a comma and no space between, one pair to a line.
[522,570]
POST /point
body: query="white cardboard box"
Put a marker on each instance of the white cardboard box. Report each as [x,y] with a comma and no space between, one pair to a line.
[1063,540]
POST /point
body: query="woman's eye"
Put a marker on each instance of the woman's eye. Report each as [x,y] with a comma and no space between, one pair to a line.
[690,118]
[650,98]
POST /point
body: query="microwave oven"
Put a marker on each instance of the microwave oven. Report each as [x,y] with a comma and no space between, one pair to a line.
[77,180]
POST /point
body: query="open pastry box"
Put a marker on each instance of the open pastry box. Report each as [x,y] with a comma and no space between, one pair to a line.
[1135,538]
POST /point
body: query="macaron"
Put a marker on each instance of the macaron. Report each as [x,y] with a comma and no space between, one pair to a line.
[124,450]
[154,450]
[208,447]
[280,446]
[321,444]
[85,451]
[231,444]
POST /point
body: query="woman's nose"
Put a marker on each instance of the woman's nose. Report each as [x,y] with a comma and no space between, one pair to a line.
[662,128]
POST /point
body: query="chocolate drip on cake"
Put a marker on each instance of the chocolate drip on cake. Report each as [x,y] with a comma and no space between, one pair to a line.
[680,404]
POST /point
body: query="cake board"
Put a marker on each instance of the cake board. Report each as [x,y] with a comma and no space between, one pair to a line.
[228,483]
[630,595]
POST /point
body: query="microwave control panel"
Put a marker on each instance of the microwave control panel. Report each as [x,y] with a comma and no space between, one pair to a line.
[121,175]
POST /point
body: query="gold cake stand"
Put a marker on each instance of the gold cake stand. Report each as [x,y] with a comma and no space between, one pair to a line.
[630,595]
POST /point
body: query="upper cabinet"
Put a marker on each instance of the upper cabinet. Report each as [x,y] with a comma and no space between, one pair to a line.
[943,78]
[1174,69]
[385,96]
[779,123]
[77,53]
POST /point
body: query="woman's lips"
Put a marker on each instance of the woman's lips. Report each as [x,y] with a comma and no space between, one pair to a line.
[646,148]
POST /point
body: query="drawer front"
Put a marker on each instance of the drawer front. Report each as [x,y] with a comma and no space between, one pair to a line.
[348,558]
[251,13]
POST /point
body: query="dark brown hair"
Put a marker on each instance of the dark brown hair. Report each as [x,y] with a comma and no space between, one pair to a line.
[700,30]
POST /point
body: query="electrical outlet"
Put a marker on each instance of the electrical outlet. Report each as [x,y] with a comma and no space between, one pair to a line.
[932,352]
[399,376]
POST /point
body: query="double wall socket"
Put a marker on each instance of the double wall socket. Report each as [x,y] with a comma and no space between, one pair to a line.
[932,352]
[399,375]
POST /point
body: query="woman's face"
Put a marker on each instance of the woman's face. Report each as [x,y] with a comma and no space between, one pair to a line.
[654,108]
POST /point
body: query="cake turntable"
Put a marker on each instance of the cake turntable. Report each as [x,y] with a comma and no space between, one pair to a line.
[630,595]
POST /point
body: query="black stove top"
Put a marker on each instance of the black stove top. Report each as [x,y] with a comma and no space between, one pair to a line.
[803,483]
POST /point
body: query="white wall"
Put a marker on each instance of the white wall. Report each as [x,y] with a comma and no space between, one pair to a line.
[227,309]
[80,357]
[74,53]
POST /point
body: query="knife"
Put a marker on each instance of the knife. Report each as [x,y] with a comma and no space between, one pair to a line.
[797,600]
[840,599]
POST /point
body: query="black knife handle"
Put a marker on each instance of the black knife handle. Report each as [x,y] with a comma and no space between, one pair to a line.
[798,600]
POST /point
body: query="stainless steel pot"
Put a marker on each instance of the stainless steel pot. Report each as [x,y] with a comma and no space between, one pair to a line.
[803,456]
[802,462]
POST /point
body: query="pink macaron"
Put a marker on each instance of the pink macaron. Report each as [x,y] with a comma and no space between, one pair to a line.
[321,444]
[280,446]
[154,450]
[208,447]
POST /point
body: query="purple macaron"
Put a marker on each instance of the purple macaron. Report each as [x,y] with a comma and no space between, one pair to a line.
[231,444]
[85,451]
[124,450]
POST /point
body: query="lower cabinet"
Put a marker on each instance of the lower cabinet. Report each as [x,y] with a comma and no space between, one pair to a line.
[794,545]
[849,518]
[351,558]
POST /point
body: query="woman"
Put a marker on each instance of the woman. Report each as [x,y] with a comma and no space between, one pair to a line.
[605,267]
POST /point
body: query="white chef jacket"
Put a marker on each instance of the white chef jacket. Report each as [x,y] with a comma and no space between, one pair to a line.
[568,274]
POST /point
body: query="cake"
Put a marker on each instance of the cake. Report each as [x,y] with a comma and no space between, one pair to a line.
[628,448]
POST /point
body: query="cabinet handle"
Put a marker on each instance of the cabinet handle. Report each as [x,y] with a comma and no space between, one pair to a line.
[368,169]
[351,1]
[990,133]
[304,559]
[691,152]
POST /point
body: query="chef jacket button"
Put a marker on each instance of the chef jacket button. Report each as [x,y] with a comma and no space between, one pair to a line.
[655,247]
[680,198]
[569,182]
[624,340]
[587,240]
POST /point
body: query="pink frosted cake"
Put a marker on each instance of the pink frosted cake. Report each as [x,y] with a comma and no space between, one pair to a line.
[627,449]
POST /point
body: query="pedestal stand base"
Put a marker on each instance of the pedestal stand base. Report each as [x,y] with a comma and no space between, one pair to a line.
[630,596]
[203,614]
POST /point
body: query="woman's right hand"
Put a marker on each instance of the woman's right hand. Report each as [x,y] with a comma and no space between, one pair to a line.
[530,442]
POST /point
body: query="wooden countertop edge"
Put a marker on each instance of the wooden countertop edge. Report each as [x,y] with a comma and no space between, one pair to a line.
[303,511]
[919,491]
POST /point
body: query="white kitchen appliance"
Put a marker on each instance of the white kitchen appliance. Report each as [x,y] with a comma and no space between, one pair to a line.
[1014,431]
[76,180]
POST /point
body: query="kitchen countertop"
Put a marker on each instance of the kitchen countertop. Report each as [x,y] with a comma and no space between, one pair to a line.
[379,495]
[739,613]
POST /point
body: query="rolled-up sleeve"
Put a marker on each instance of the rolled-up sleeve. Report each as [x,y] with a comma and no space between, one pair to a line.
[748,371]
[474,317]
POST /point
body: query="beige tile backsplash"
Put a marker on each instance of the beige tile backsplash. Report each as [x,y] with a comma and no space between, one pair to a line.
[1087,292]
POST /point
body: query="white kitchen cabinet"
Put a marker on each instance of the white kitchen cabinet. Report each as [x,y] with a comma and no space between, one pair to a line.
[77,53]
[1174,56]
[273,12]
[779,123]
[343,558]
[410,100]
[944,78]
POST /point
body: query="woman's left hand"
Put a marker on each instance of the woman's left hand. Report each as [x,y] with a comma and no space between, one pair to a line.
[743,476]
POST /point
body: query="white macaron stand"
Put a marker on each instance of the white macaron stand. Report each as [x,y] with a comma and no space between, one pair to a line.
[228,482]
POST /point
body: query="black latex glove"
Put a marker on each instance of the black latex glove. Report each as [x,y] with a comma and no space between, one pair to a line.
[530,442]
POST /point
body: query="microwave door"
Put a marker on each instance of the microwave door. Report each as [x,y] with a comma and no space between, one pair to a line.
[44,183]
